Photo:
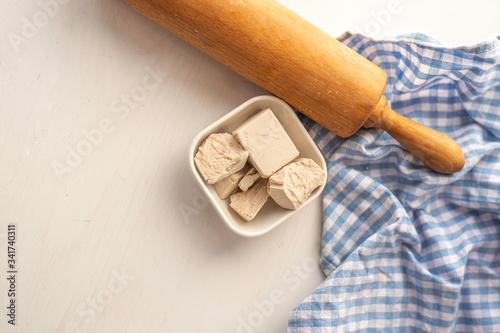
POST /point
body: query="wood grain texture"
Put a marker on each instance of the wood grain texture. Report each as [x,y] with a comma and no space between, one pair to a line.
[279,51]
[291,58]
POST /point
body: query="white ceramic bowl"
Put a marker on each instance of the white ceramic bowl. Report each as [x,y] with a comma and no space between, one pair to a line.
[271,215]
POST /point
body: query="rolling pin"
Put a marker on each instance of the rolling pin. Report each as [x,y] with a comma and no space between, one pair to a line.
[286,55]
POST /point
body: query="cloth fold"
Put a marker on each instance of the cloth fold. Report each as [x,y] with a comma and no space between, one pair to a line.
[406,249]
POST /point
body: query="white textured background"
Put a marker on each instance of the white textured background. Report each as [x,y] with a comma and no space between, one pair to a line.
[125,242]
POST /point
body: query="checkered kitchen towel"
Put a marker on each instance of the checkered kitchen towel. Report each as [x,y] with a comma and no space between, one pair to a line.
[406,249]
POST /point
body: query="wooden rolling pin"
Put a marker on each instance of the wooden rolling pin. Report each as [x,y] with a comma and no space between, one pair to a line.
[281,52]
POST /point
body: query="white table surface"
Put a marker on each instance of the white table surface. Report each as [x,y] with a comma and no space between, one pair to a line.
[123,241]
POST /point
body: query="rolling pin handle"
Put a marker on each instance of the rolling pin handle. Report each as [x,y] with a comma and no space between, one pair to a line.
[436,150]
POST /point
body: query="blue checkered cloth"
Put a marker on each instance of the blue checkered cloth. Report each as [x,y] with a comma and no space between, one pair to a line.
[406,249]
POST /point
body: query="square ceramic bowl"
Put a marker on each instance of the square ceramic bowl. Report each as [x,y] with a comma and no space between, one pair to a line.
[271,215]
